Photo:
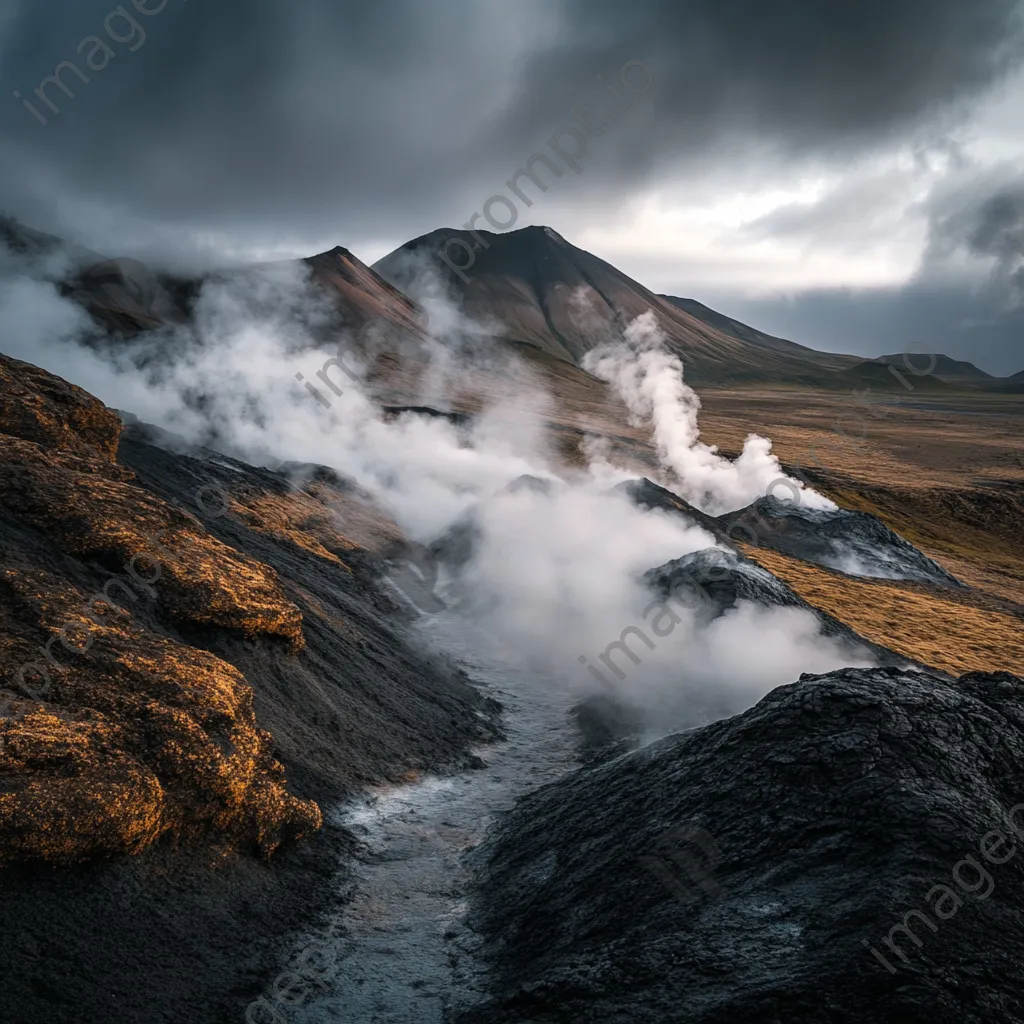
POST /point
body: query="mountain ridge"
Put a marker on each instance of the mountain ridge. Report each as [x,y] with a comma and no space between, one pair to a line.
[534,288]
[549,294]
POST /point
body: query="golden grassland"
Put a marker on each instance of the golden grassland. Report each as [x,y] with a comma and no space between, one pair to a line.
[963,441]
[974,533]
[935,626]
[948,476]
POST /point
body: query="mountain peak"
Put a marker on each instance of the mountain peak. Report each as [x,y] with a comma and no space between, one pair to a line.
[552,295]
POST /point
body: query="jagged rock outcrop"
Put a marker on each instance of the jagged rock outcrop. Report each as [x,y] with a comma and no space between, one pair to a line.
[744,872]
[39,407]
[713,581]
[856,543]
[93,513]
[127,737]
[121,735]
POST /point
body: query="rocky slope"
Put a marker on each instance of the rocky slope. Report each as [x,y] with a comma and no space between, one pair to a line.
[161,611]
[746,871]
[856,543]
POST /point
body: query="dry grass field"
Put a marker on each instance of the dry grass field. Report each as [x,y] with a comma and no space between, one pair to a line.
[953,631]
[948,477]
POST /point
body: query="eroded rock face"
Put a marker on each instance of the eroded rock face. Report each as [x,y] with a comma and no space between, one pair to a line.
[116,734]
[37,406]
[743,873]
[134,736]
[86,513]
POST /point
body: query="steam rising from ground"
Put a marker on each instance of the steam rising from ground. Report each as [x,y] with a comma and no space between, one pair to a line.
[556,570]
[650,381]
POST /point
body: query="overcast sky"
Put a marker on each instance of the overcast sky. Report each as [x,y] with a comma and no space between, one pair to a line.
[848,173]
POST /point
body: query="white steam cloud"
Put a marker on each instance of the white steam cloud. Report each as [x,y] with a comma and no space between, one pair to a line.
[556,573]
[649,379]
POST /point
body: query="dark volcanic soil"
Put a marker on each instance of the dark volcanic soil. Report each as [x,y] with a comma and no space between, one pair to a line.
[737,874]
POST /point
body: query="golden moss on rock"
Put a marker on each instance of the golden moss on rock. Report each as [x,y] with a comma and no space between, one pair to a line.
[324,518]
[135,736]
[37,406]
[113,735]
[90,515]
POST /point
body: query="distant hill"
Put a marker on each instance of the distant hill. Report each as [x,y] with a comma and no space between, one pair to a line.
[27,241]
[875,374]
[1014,385]
[954,371]
[550,294]
[125,296]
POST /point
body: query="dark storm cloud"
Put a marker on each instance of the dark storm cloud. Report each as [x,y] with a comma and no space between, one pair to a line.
[801,75]
[259,116]
[267,121]
[986,220]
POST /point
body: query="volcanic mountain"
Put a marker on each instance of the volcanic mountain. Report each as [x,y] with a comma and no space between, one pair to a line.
[542,292]
[547,293]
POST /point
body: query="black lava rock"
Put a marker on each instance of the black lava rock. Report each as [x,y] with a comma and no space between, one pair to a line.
[744,873]
[856,543]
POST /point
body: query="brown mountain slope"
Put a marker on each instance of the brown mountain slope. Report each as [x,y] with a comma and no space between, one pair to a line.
[360,293]
[554,296]
[125,296]
[737,329]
